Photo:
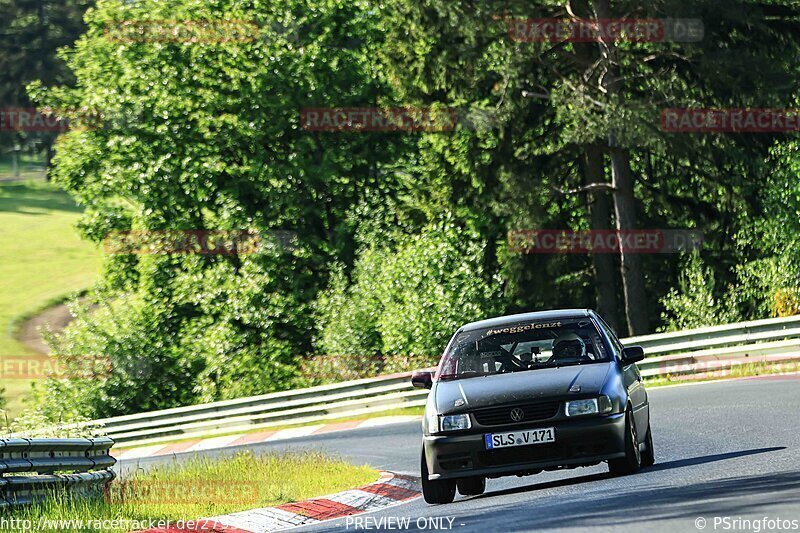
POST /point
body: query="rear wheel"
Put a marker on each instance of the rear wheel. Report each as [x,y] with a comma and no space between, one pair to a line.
[632,462]
[438,490]
[649,455]
[471,486]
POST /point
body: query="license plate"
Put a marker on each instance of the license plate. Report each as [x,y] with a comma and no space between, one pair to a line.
[522,437]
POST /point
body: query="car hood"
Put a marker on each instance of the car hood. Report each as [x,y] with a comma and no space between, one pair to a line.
[499,389]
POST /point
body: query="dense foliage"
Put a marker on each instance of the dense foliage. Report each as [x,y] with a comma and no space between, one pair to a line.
[206,135]
[400,237]
[404,303]
[31,32]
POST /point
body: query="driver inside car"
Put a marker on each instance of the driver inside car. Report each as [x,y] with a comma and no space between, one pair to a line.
[569,346]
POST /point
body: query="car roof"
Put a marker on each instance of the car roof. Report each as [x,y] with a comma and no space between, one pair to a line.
[525,317]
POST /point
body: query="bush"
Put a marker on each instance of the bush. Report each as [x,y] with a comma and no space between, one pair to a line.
[208,333]
[404,303]
[767,289]
[144,371]
[786,302]
[694,304]
[37,425]
[764,288]
[769,285]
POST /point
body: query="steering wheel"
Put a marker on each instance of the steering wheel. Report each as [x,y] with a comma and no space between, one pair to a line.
[508,363]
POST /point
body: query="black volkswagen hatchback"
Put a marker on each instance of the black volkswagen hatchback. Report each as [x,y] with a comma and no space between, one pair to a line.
[519,394]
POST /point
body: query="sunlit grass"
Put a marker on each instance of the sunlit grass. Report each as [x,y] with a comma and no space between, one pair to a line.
[42,259]
[203,488]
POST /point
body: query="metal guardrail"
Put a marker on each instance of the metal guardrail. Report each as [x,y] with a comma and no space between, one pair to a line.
[40,467]
[304,406]
[717,336]
[680,352]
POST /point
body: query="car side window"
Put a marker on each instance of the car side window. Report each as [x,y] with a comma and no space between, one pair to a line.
[616,345]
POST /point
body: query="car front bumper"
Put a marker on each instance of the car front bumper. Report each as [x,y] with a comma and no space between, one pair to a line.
[579,441]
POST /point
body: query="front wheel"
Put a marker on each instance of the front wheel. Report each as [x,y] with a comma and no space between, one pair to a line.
[649,455]
[438,490]
[632,462]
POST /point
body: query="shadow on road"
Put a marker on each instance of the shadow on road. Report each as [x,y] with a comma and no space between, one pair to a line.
[679,463]
[694,461]
[733,496]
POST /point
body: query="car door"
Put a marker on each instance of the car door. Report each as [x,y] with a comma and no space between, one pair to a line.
[632,379]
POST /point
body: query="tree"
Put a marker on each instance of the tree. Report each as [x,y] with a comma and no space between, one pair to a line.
[207,135]
[31,33]
[609,98]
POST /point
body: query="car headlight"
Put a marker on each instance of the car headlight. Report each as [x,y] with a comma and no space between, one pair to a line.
[591,406]
[454,422]
[433,422]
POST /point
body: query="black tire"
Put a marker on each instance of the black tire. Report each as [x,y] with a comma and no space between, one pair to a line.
[439,490]
[632,462]
[471,486]
[649,455]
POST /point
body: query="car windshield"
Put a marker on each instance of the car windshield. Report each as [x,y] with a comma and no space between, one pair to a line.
[522,346]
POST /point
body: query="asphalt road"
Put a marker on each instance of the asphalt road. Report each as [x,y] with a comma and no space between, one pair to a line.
[727,449]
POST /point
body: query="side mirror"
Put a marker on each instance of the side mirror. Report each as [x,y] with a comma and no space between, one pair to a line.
[422,380]
[632,354]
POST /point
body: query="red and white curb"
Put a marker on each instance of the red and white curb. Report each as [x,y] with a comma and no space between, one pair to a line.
[390,489]
[213,443]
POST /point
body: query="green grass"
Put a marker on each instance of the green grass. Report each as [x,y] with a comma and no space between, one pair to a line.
[203,488]
[25,174]
[27,163]
[43,259]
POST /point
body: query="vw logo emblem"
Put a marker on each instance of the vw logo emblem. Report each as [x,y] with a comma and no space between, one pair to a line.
[517,414]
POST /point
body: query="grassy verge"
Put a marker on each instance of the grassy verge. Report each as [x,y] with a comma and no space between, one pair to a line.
[739,371]
[43,259]
[203,488]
